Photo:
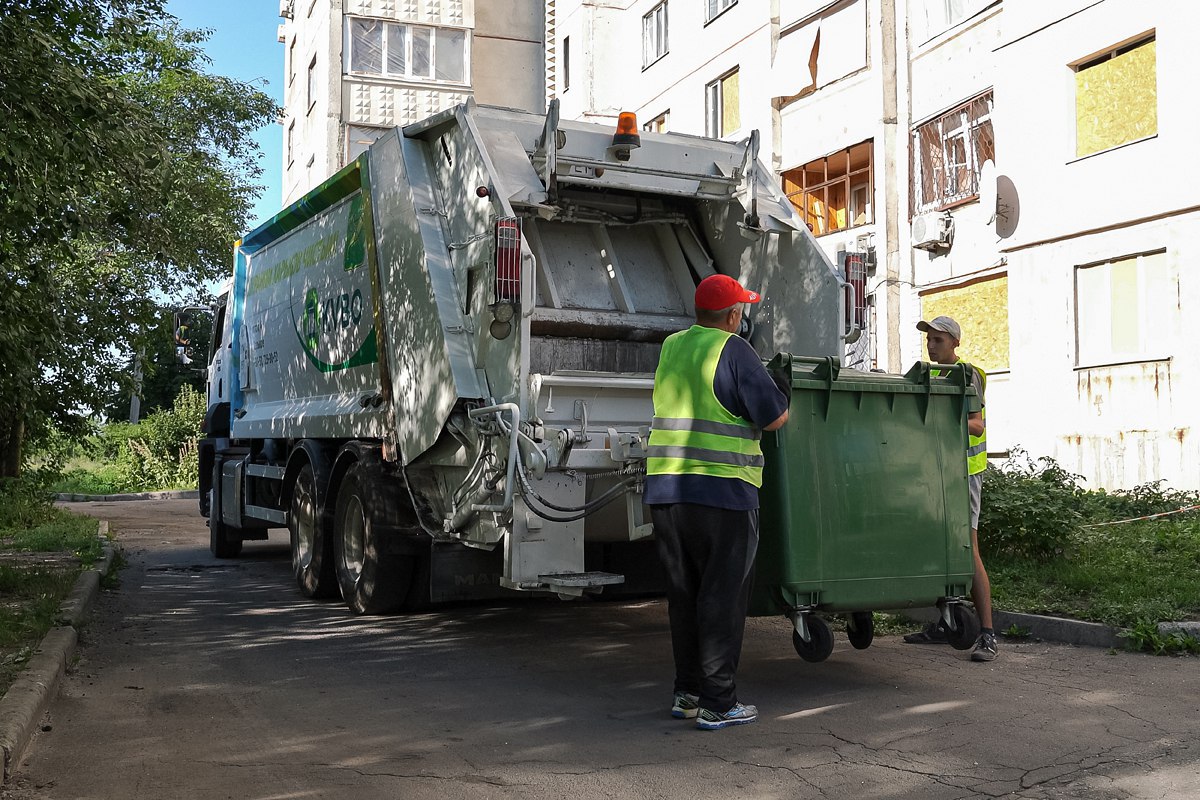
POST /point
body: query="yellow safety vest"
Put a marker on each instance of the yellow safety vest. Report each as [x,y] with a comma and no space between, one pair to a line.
[976,445]
[692,433]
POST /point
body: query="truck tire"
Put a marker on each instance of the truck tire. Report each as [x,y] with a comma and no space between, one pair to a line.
[312,553]
[224,541]
[372,580]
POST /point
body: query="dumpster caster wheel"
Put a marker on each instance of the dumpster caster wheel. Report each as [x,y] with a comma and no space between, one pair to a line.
[820,640]
[861,630]
[966,627]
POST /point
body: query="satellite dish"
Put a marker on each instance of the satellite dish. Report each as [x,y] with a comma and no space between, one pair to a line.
[987,189]
[1008,207]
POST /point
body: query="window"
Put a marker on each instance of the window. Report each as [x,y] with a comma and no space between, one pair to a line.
[1124,309]
[934,16]
[721,106]
[981,308]
[312,83]
[292,62]
[654,35]
[834,193]
[1116,98]
[714,8]
[410,52]
[659,124]
[566,63]
[948,153]
[291,139]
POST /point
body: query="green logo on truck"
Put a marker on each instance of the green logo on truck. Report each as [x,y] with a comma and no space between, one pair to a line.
[326,318]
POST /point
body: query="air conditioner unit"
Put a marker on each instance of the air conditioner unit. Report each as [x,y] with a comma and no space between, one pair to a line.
[285,8]
[280,36]
[932,231]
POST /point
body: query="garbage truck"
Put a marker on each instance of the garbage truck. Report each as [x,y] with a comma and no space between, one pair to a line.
[434,370]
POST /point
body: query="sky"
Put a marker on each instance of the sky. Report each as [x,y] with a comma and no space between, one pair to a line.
[243,46]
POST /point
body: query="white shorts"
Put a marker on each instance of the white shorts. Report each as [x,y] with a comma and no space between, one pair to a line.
[975,485]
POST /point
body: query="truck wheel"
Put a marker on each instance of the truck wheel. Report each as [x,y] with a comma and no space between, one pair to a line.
[312,556]
[223,541]
[372,581]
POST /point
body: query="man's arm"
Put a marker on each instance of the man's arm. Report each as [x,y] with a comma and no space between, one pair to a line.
[783,418]
[975,424]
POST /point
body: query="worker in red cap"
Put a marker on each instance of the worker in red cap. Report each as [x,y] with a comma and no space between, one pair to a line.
[712,400]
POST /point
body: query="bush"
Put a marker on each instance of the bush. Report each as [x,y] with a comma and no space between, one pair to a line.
[1140,501]
[164,454]
[1030,508]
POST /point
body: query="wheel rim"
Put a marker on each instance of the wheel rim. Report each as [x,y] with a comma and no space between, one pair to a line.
[304,523]
[353,537]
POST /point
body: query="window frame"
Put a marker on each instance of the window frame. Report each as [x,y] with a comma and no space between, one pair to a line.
[410,34]
[850,182]
[715,8]
[651,26]
[664,118]
[1150,348]
[566,64]
[714,106]
[290,143]
[969,131]
[292,62]
[311,84]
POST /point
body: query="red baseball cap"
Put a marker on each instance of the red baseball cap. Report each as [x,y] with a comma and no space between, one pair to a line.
[721,291]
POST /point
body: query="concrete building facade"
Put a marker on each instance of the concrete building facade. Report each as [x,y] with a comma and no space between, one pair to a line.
[354,69]
[1024,167]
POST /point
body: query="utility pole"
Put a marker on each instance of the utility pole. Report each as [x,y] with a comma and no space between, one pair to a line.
[135,399]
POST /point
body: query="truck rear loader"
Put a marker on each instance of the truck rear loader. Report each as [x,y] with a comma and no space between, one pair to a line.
[435,368]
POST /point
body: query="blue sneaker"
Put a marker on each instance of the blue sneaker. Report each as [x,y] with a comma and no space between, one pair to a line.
[686,706]
[738,715]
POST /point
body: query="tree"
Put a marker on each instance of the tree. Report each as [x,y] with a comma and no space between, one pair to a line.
[126,172]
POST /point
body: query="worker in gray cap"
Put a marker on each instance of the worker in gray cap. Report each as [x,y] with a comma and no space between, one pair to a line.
[942,336]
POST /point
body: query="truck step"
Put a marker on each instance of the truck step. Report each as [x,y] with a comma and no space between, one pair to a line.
[581,580]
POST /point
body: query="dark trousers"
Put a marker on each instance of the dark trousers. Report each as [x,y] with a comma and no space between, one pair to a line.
[708,555]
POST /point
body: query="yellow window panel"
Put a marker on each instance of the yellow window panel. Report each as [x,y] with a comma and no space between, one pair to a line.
[1116,100]
[982,311]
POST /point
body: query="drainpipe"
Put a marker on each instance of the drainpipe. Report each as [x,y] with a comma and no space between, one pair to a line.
[891,182]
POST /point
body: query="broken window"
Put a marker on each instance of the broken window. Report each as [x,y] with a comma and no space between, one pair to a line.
[359,138]
[392,50]
[1124,309]
[1116,97]
[834,192]
[948,153]
[821,49]
[722,106]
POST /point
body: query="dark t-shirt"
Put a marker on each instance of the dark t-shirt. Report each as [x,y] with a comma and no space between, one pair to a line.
[744,388]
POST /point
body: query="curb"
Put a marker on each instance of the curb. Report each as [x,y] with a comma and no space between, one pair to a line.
[26,701]
[1057,629]
[174,494]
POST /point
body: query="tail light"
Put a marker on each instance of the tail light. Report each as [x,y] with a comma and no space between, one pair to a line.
[508,260]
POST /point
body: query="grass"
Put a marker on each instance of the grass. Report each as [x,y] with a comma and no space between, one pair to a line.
[1119,575]
[42,551]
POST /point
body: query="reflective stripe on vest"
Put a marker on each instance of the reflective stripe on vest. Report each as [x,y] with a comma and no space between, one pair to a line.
[976,445]
[692,433]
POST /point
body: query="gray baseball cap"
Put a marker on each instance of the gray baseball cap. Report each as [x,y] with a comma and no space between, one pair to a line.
[943,324]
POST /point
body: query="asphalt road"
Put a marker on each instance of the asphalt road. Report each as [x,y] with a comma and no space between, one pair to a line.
[207,679]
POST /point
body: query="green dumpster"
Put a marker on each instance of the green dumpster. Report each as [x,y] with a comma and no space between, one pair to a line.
[864,502]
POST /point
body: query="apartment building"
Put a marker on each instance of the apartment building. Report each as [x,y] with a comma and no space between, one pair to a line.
[1024,167]
[354,69]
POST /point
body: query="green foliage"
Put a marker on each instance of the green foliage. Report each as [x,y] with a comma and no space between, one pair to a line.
[63,532]
[1015,631]
[1144,636]
[1140,501]
[165,455]
[25,501]
[1030,508]
[126,170]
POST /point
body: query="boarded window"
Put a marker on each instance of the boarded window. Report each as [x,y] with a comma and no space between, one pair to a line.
[1122,309]
[1116,98]
[723,115]
[834,192]
[981,309]
[948,152]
